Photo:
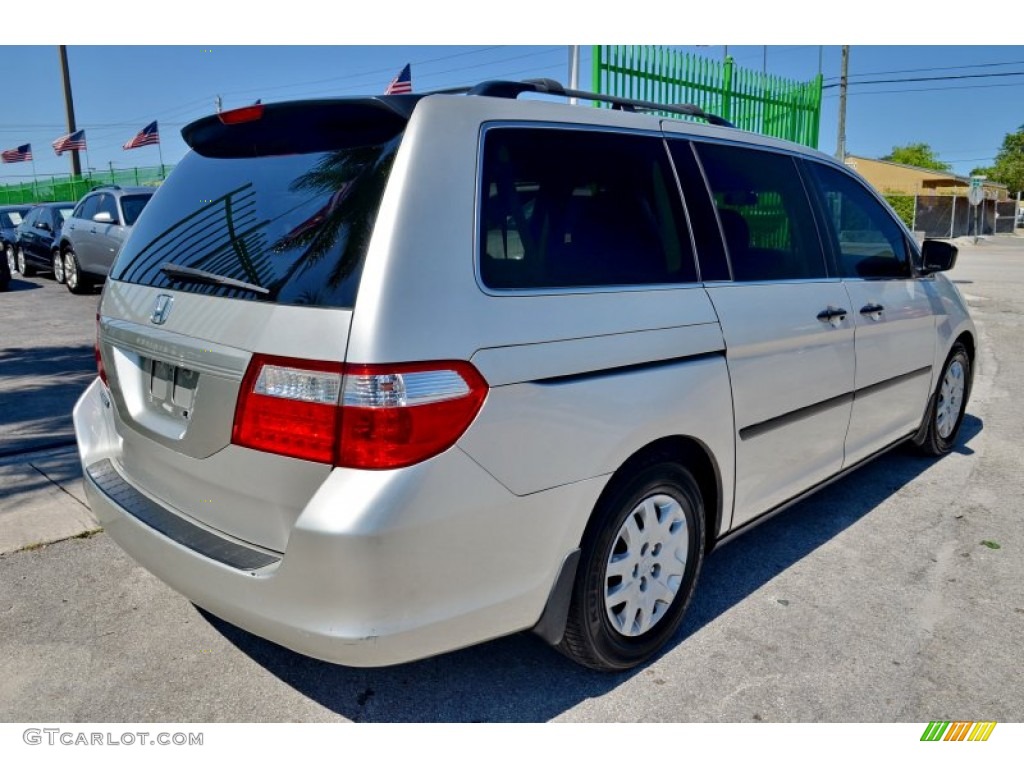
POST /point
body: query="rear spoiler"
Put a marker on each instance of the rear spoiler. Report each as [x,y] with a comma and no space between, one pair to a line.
[299,127]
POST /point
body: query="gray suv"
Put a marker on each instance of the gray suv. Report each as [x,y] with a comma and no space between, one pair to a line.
[94,234]
[384,377]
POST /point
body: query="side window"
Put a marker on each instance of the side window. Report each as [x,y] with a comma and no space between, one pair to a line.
[764,212]
[107,204]
[88,207]
[867,240]
[564,208]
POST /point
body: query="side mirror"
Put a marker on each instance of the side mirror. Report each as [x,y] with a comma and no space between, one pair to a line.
[938,256]
[43,225]
[103,217]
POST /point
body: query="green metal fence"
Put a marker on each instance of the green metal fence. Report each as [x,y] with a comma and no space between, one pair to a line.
[46,189]
[752,100]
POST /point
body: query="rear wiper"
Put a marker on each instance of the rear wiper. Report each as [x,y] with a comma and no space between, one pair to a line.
[189,274]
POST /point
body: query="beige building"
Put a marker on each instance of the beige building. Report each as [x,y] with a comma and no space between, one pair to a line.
[896,178]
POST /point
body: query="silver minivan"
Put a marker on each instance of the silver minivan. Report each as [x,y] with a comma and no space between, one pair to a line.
[384,377]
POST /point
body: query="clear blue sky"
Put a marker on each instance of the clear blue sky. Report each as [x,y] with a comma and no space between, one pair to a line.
[119,89]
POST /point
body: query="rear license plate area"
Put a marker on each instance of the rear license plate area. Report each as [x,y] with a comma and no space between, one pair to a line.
[172,388]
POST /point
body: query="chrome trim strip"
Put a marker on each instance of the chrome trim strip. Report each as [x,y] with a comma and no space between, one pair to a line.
[188,352]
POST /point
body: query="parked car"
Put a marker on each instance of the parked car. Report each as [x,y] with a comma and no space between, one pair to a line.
[10,218]
[95,232]
[37,235]
[480,364]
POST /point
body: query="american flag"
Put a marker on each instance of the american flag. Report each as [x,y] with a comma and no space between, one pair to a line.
[19,155]
[402,83]
[148,135]
[67,143]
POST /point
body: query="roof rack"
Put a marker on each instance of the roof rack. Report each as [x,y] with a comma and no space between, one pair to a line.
[511,89]
[105,186]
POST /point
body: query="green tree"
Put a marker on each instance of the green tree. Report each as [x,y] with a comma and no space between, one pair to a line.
[918,155]
[1008,168]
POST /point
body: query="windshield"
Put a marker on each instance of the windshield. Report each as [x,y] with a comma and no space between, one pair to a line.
[297,225]
[65,214]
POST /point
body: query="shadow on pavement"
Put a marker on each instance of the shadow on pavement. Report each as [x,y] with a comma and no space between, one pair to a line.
[520,679]
[21,285]
[38,388]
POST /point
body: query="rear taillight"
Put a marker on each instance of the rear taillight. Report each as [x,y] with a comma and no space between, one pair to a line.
[363,416]
[96,351]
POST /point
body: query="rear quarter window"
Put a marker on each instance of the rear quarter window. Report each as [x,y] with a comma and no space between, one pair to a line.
[579,208]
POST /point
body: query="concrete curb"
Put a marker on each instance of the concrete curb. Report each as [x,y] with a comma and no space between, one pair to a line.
[42,500]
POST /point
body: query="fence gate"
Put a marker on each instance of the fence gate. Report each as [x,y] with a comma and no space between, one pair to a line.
[1006,217]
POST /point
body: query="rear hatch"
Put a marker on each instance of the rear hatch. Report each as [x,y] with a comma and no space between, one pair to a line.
[250,252]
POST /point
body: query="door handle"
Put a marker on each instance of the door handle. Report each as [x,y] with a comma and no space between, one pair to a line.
[874,311]
[832,313]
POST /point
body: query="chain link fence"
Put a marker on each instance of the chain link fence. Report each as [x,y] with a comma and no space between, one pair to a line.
[51,189]
[948,216]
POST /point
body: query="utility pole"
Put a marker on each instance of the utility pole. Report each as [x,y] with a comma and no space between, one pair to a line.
[574,70]
[69,107]
[844,71]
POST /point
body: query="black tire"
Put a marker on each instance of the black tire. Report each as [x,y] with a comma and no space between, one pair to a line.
[603,634]
[947,405]
[12,260]
[26,269]
[57,265]
[74,279]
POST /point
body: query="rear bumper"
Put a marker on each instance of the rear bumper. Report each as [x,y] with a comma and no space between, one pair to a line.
[380,567]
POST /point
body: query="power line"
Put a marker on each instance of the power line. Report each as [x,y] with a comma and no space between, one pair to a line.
[924,90]
[926,79]
[931,69]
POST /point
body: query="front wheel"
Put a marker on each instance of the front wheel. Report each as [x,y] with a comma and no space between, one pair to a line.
[23,266]
[12,260]
[73,277]
[948,404]
[640,560]
[58,266]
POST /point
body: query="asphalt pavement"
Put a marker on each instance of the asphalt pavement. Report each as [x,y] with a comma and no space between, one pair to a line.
[892,595]
[46,361]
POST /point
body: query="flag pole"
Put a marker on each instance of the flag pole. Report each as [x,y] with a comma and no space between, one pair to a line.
[35,182]
[160,149]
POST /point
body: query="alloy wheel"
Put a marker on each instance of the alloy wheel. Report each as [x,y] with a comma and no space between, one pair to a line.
[70,270]
[58,267]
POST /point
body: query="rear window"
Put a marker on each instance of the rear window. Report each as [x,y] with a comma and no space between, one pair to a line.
[132,206]
[297,225]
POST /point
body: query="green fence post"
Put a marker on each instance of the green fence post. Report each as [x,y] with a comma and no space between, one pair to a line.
[726,88]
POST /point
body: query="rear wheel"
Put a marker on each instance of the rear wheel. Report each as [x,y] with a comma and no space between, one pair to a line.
[23,266]
[12,260]
[641,557]
[948,404]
